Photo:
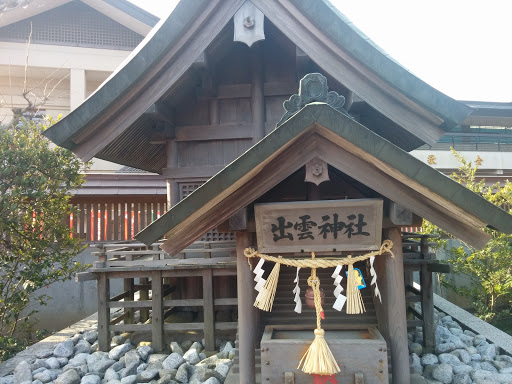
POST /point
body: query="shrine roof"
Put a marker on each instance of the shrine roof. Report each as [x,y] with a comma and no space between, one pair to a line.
[318,130]
[138,83]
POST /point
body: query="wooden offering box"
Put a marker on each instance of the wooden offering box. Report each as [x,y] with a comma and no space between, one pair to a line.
[360,353]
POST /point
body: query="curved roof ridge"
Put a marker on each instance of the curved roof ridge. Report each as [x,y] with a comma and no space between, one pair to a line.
[322,14]
[385,66]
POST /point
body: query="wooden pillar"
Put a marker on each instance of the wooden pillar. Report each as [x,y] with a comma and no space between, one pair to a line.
[208,312]
[143,295]
[157,318]
[173,196]
[391,313]
[103,312]
[257,94]
[246,312]
[128,287]
[408,282]
[427,308]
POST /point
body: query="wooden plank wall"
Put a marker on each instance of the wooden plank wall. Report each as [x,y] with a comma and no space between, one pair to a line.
[224,118]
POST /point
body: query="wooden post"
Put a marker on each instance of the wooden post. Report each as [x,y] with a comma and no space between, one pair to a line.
[143,295]
[246,317]
[157,336]
[103,286]
[208,311]
[391,313]
[408,282]
[427,308]
[172,162]
[257,94]
[129,289]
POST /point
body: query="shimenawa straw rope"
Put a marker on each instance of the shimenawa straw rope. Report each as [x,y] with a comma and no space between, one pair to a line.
[320,263]
[318,359]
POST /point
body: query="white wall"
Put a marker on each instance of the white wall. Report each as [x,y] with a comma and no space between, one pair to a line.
[72,301]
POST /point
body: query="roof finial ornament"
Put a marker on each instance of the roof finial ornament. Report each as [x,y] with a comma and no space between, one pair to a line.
[312,88]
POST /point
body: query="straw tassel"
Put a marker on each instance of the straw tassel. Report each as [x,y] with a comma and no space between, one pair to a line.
[355,303]
[265,298]
[318,359]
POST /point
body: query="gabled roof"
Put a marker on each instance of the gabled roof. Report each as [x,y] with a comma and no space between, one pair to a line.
[316,27]
[320,131]
[122,11]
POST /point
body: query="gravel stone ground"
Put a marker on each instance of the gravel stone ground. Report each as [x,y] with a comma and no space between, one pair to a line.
[78,361]
[461,357]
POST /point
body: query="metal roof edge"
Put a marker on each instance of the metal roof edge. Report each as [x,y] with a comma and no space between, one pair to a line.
[134,11]
[342,31]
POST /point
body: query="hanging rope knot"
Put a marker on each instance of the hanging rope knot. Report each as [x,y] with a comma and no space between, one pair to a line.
[386,247]
[250,253]
[313,281]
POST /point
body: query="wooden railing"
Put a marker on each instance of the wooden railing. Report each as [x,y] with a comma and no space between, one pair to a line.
[107,219]
[418,257]
[150,287]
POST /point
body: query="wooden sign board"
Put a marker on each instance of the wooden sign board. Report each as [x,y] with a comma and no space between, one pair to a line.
[314,226]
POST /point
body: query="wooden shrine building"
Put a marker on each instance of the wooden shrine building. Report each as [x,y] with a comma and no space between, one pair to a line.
[200,101]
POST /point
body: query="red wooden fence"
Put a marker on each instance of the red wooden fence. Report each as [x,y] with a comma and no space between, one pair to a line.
[114,219]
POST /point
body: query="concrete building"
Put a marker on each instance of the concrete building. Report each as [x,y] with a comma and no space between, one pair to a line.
[74,47]
[56,53]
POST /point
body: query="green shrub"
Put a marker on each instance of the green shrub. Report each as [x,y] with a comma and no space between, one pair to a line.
[489,269]
[36,245]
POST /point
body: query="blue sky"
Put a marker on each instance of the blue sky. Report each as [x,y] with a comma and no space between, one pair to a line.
[460,47]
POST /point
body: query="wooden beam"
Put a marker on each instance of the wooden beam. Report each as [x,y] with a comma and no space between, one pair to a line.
[201,62]
[279,88]
[238,221]
[85,276]
[191,172]
[241,91]
[246,316]
[225,131]
[162,131]
[441,268]
[131,304]
[131,327]
[399,215]
[234,91]
[161,112]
